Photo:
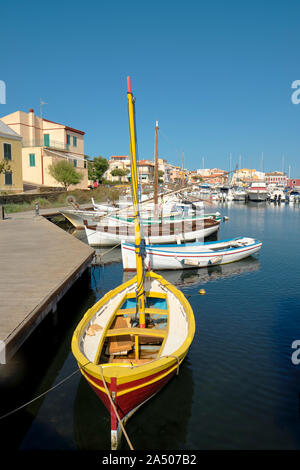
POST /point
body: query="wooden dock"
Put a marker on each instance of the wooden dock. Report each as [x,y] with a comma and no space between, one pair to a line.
[39,263]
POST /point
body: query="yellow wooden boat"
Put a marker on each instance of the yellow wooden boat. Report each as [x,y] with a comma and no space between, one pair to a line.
[133,340]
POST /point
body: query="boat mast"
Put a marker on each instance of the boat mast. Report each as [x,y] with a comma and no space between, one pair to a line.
[156,168]
[182,181]
[140,293]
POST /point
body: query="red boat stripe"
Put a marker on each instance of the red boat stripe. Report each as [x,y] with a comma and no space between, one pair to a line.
[134,383]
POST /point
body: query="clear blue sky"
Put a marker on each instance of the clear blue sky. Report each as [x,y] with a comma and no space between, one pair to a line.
[217,75]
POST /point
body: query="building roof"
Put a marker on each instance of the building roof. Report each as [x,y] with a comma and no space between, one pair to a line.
[120,157]
[66,127]
[145,163]
[6,131]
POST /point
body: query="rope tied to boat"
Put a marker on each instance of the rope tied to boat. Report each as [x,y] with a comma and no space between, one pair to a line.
[115,409]
[100,255]
[44,393]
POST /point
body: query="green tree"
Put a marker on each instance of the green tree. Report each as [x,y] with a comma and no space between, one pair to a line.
[119,172]
[65,173]
[96,168]
[160,176]
[4,166]
[198,178]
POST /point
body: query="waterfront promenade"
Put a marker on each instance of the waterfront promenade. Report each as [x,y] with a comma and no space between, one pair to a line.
[39,263]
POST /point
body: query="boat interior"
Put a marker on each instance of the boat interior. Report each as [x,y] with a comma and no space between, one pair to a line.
[126,342]
[121,340]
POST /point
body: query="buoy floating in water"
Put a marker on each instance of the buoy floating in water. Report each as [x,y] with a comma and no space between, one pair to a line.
[202,292]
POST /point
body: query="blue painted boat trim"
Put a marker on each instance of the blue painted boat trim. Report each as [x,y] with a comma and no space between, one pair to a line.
[237,248]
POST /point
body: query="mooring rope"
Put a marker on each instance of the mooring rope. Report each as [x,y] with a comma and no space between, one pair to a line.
[44,393]
[100,255]
[115,410]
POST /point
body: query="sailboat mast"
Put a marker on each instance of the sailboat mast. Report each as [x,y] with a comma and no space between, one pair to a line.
[140,292]
[156,167]
[182,182]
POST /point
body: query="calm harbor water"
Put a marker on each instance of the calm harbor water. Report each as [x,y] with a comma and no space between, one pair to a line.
[237,389]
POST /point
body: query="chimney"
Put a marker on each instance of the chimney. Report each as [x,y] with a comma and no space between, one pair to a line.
[31,127]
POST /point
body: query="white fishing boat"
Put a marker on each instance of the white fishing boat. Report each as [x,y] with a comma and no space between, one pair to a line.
[77,216]
[125,216]
[175,231]
[192,255]
[102,207]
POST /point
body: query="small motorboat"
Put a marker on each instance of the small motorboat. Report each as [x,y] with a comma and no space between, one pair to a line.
[294,196]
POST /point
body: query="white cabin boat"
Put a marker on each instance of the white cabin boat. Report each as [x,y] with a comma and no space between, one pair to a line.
[258,192]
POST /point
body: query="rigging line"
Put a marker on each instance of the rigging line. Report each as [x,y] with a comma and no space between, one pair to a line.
[44,393]
[169,142]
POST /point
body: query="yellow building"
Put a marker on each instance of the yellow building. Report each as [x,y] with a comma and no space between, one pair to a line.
[44,143]
[11,150]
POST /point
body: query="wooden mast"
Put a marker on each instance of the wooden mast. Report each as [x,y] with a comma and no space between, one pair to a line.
[156,168]
[140,292]
[183,168]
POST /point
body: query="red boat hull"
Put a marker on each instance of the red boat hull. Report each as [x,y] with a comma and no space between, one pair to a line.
[127,402]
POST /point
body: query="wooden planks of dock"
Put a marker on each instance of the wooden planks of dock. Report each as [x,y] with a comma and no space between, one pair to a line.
[39,263]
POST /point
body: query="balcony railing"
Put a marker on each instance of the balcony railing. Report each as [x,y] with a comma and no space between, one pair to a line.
[52,144]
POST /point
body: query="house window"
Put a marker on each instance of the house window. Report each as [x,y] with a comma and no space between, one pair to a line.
[46,140]
[68,139]
[31,159]
[75,163]
[7,151]
[8,178]
[74,141]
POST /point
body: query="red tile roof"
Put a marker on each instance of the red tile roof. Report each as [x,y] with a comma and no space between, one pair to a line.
[66,127]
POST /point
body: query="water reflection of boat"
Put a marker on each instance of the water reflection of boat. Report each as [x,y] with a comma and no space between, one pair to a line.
[193,277]
[173,406]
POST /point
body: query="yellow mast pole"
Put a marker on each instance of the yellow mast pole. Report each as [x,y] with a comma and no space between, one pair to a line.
[134,183]
[156,168]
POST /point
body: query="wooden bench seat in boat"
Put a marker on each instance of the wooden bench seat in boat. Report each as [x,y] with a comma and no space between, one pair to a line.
[120,344]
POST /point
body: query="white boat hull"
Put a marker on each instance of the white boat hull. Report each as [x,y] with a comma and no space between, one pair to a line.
[257,196]
[195,255]
[98,237]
